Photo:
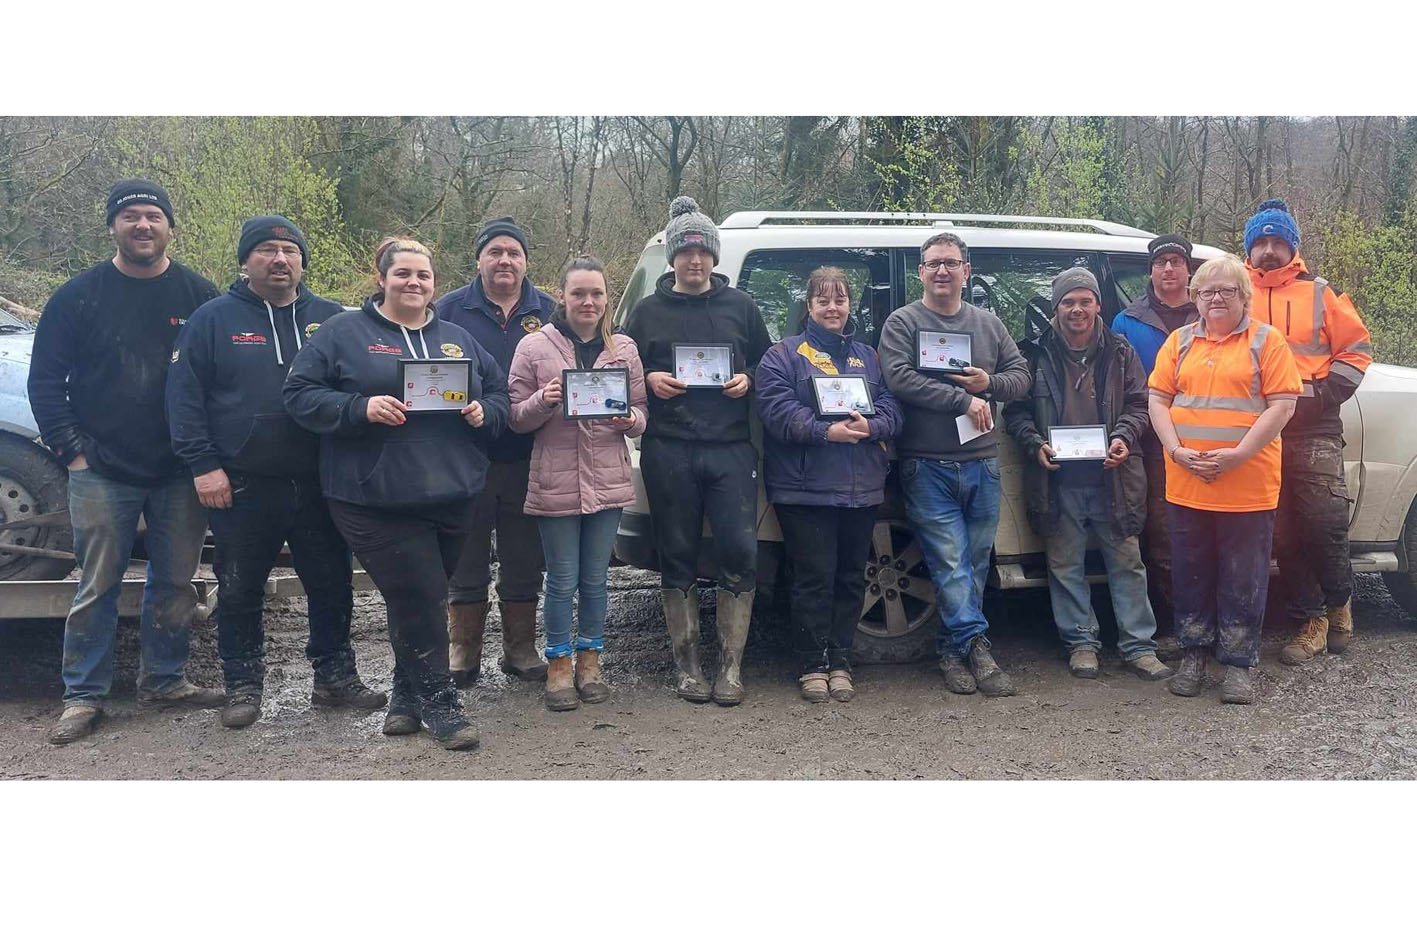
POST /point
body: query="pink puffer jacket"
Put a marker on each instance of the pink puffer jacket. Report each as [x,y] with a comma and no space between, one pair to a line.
[577,467]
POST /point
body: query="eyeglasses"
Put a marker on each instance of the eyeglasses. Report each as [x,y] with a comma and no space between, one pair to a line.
[1162,262]
[954,265]
[1228,292]
[270,251]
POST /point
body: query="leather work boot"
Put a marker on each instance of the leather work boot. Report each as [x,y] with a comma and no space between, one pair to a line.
[1148,667]
[1191,674]
[681,616]
[77,721]
[560,689]
[1308,643]
[186,693]
[466,624]
[403,717]
[1082,663]
[1340,627]
[992,681]
[347,694]
[444,718]
[590,685]
[519,656]
[1238,687]
[735,614]
[243,707]
[958,679]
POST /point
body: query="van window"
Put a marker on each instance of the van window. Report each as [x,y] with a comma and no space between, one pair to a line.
[641,284]
[1131,274]
[1017,285]
[777,280]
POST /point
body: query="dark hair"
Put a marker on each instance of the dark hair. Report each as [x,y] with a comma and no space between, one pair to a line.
[589,263]
[945,239]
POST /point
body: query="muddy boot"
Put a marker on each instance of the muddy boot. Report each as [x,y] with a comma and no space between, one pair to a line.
[992,681]
[1308,643]
[735,614]
[561,693]
[466,623]
[243,707]
[681,616]
[1148,667]
[590,685]
[443,716]
[403,717]
[1190,675]
[1340,627]
[350,693]
[76,722]
[185,693]
[1082,663]
[1238,686]
[519,656]
[958,679]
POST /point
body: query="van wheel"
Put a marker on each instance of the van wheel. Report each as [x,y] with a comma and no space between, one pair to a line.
[32,483]
[1403,586]
[898,618]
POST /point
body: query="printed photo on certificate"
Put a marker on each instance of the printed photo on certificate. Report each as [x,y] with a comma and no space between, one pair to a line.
[703,365]
[1082,442]
[943,351]
[435,384]
[595,393]
[839,395]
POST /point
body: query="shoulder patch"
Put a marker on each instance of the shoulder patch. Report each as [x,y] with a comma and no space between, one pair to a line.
[452,349]
[310,329]
[531,324]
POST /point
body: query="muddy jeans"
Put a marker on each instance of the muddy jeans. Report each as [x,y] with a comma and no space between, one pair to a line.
[686,480]
[1311,528]
[498,507]
[827,550]
[265,513]
[1220,566]
[105,515]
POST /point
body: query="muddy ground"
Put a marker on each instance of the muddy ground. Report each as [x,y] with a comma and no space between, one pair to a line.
[1349,716]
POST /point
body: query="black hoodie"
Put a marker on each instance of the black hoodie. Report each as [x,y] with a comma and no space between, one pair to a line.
[224,386]
[433,457]
[720,315]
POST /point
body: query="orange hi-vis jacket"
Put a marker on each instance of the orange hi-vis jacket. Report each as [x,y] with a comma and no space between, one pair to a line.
[1329,340]
[1217,389]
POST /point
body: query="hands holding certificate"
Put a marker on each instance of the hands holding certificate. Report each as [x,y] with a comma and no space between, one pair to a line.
[852,430]
[388,410]
[667,386]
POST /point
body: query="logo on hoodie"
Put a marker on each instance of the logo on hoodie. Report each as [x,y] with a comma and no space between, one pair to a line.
[531,324]
[385,350]
[310,330]
[249,338]
[452,350]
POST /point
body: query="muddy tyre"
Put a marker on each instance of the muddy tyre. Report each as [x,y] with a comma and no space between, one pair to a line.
[1403,586]
[32,483]
[898,618]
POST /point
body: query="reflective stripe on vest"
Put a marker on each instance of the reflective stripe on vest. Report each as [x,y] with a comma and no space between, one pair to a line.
[1317,345]
[1195,432]
[1254,404]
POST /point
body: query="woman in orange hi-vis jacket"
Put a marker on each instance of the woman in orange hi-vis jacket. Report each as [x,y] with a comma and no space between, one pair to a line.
[1221,391]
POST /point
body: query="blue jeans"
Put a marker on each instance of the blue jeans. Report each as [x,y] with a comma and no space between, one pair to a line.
[577,551]
[105,517]
[1081,509]
[954,508]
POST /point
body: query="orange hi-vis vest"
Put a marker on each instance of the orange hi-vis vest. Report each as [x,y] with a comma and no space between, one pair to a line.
[1217,388]
[1322,327]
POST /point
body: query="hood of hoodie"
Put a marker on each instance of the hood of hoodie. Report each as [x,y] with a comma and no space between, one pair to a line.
[664,287]
[1277,278]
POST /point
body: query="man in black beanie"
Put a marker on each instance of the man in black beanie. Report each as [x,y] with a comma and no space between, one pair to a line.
[258,471]
[499,307]
[96,385]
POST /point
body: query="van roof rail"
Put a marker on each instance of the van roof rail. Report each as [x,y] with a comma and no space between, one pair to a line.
[752,219]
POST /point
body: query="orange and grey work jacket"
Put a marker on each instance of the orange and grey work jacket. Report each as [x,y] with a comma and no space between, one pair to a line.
[1327,337]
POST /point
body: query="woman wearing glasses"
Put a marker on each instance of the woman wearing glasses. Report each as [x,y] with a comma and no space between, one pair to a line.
[1222,390]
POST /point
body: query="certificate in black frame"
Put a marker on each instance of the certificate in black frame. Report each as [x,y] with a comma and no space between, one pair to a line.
[832,384]
[573,376]
[460,387]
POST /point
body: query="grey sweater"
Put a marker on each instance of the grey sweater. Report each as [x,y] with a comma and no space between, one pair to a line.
[930,400]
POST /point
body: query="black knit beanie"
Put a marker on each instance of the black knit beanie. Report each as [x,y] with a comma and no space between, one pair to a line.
[257,230]
[132,191]
[502,226]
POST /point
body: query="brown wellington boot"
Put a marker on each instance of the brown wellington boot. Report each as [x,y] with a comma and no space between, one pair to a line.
[1340,627]
[466,623]
[589,683]
[560,688]
[681,617]
[1308,643]
[519,656]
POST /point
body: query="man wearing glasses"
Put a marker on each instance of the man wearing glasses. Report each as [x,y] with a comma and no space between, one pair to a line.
[1331,348]
[949,470]
[257,471]
[1146,323]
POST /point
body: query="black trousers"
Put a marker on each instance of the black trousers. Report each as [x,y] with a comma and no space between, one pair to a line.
[1311,527]
[410,555]
[688,480]
[826,559]
[266,513]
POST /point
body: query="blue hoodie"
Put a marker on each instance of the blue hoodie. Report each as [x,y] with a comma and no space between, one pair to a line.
[800,466]
[433,457]
[224,385]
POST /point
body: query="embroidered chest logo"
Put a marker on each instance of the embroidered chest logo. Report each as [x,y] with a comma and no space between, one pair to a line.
[177,321]
[822,362]
[380,349]
[175,354]
[452,350]
[310,330]
[258,339]
[853,362]
[531,324]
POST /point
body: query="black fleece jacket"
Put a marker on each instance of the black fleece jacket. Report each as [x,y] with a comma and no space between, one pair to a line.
[434,456]
[720,315]
[224,388]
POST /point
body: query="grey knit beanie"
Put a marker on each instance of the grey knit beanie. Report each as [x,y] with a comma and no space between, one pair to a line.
[689,227]
[1073,279]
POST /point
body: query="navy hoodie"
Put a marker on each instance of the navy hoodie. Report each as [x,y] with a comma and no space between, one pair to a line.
[224,386]
[471,309]
[433,457]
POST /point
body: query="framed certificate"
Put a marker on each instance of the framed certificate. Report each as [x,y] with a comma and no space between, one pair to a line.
[703,365]
[839,395]
[943,351]
[1080,442]
[436,384]
[595,393]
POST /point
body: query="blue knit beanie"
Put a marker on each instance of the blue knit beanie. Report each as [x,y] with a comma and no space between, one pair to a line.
[1272,219]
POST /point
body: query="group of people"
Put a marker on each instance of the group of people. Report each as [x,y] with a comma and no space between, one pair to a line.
[279,418]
